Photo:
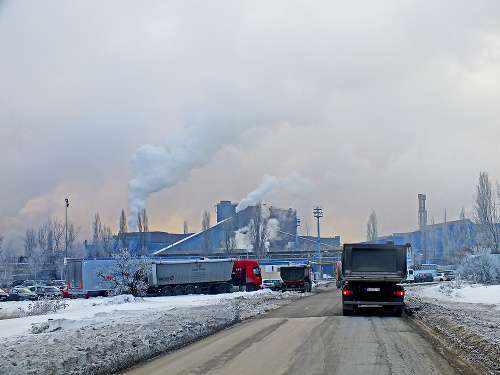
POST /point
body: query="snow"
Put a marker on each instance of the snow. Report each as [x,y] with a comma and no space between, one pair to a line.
[482,294]
[108,334]
[464,317]
[81,312]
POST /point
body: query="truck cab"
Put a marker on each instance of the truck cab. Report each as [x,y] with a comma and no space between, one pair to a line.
[246,273]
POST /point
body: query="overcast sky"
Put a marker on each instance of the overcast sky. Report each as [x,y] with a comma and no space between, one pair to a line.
[177,105]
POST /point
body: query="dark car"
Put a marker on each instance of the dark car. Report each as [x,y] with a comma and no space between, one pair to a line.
[46,291]
[3,295]
[424,277]
[21,294]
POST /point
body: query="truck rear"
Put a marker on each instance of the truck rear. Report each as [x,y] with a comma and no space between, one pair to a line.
[371,275]
[83,280]
[296,277]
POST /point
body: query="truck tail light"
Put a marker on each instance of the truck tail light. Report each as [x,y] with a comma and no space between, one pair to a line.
[399,293]
[346,292]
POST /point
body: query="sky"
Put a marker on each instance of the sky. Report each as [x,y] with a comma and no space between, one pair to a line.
[174,106]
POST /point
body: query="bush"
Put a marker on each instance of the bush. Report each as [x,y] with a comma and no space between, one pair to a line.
[481,267]
[45,305]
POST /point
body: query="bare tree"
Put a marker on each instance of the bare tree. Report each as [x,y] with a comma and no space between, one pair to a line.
[485,215]
[228,243]
[258,231]
[372,228]
[102,239]
[30,241]
[123,229]
[205,227]
[143,227]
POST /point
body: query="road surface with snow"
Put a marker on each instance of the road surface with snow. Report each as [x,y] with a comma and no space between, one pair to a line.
[106,335]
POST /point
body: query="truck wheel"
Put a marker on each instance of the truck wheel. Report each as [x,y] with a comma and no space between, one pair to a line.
[346,312]
[251,288]
[178,290]
[167,291]
[397,313]
[190,289]
[221,288]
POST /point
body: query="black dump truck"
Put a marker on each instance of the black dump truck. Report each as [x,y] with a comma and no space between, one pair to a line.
[297,277]
[371,276]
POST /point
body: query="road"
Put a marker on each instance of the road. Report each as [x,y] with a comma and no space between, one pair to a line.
[310,336]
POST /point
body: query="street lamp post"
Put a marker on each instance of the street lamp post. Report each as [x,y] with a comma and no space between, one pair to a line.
[66,249]
[318,213]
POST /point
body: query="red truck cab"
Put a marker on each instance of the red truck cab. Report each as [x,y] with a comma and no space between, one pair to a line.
[247,273]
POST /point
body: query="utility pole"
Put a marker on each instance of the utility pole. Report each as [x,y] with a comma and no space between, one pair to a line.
[296,222]
[318,213]
[66,227]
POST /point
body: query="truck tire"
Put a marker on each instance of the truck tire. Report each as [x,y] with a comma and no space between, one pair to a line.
[251,287]
[397,313]
[190,289]
[178,290]
[222,288]
[167,291]
[346,312]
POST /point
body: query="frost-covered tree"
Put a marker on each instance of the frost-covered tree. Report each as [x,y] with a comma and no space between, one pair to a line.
[372,228]
[480,267]
[30,241]
[128,275]
[460,241]
[485,215]
[258,230]
[123,228]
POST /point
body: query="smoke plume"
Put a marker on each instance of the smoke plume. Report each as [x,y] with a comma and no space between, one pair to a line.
[294,184]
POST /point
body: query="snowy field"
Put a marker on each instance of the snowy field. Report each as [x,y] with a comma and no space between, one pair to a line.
[466,318]
[106,335]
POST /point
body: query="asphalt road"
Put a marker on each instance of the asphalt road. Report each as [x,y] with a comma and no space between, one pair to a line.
[310,336]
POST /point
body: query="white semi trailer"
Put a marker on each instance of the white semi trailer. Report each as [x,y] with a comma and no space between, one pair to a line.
[165,277]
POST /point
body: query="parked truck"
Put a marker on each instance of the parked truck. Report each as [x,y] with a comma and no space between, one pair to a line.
[296,277]
[371,276]
[165,277]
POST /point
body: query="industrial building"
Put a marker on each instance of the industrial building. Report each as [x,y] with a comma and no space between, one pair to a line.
[283,244]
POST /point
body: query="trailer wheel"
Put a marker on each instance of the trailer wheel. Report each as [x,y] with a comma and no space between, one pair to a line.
[167,291]
[178,290]
[222,288]
[190,289]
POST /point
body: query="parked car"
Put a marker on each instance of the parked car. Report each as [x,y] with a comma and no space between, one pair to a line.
[58,283]
[424,277]
[46,291]
[3,295]
[440,276]
[450,275]
[272,284]
[66,294]
[21,294]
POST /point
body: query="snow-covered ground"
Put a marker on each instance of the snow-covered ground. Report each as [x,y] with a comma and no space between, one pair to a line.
[105,335]
[465,317]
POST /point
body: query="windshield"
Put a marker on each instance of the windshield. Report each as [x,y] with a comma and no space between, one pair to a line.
[256,271]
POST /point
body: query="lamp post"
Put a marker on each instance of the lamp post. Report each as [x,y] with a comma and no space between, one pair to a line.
[66,249]
[318,213]
[296,222]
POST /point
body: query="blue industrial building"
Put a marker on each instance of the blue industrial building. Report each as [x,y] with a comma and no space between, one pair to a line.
[439,238]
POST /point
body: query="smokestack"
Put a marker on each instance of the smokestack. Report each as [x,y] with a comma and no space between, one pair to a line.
[185,227]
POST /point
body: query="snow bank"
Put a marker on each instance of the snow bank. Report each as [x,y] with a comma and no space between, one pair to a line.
[465,317]
[106,335]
